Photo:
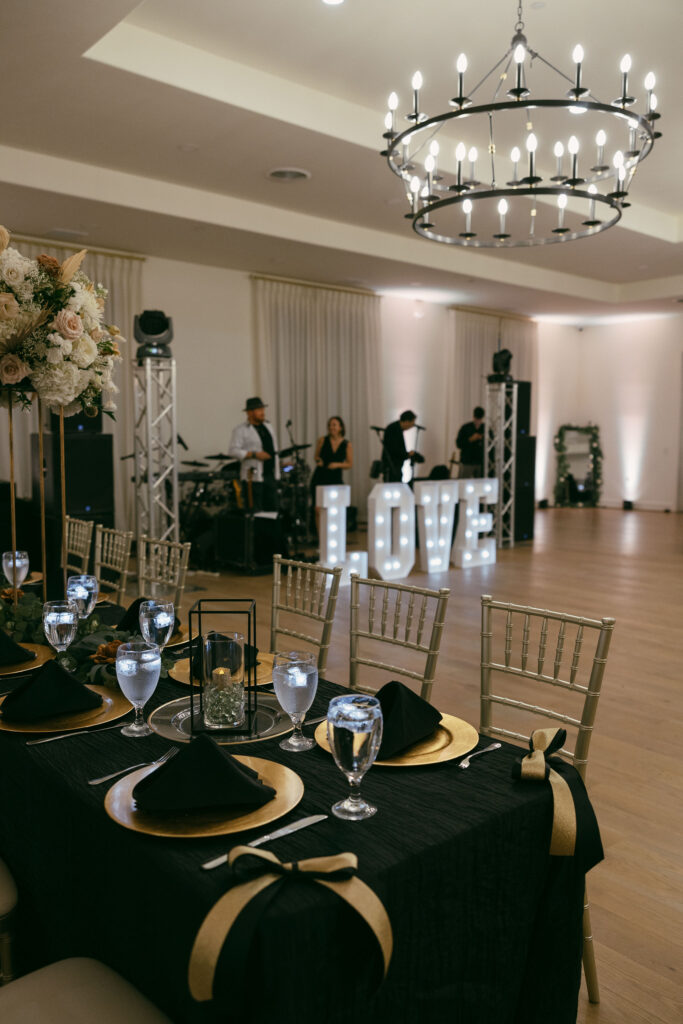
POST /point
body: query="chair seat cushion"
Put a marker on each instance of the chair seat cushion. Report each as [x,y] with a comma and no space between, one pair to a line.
[8,892]
[75,991]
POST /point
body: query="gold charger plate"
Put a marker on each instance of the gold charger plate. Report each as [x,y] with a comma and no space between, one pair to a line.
[43,654]
[120,805]
[264,670]
[114,705]
[452,738]
[31,580]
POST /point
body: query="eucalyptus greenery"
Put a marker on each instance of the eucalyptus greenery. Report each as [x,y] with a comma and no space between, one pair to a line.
[91,658]
[563,467]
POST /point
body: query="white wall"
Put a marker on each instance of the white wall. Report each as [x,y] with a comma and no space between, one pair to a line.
[412,364]
[626,378]
[211,310]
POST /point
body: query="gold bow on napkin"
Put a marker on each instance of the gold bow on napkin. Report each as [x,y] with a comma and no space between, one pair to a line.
[543,743]
[260,869]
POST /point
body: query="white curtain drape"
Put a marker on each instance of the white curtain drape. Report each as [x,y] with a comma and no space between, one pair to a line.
[474,339]
[317,355]
[122,276]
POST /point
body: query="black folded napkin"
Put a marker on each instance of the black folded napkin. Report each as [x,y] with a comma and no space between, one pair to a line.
[11,653]
[250,656]
[407,719]
[130,623]
[48,692]
[202,776]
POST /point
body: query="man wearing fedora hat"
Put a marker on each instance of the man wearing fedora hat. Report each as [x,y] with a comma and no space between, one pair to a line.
[255,444]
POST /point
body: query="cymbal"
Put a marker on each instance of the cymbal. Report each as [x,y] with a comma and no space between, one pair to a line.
[294,448]
[192,462]
[222,458]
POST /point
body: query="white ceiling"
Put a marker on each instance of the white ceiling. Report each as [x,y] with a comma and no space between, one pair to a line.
[160,139]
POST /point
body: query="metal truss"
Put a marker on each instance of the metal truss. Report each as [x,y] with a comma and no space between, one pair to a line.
[156,466]
[501,451]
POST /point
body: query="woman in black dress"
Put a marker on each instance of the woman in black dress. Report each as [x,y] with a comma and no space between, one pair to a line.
[333,454]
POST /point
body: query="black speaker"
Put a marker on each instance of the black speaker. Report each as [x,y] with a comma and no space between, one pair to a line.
[78,424]
[523,407]
[248,542]
[89,475]
[525,475]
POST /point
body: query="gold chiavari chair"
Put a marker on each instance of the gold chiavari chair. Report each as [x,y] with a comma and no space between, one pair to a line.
[162,566]
[410,618]
[76,991]
[539,629]
[112,553]
[8,902]
[304,592]
[78,541]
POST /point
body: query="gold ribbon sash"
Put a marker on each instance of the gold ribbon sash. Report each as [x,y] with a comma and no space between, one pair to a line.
[335,873]
[534,767]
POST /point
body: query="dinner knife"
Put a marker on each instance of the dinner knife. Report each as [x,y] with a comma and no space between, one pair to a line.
[287,830]
[80,732]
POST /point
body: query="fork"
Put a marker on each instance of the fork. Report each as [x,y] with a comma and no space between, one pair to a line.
[465,763]
[145,764]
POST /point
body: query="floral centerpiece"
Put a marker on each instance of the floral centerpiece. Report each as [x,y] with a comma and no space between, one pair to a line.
[53,339]
[91,658]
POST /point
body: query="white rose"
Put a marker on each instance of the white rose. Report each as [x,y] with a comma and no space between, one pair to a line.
[55,355]
[84,351]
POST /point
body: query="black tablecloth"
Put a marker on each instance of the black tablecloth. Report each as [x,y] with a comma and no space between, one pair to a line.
[487,926]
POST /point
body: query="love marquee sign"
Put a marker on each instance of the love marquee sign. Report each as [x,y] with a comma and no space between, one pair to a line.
[392,512]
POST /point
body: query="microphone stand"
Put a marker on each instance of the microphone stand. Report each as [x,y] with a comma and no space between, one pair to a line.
[300,510]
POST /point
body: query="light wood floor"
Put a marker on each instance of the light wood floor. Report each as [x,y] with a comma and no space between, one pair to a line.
[590,562]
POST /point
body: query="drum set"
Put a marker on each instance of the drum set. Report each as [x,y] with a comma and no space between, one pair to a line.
[208,491]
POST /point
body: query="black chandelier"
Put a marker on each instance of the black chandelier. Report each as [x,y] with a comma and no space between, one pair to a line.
[517,206]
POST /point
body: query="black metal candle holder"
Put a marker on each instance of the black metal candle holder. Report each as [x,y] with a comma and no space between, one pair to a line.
[234,612]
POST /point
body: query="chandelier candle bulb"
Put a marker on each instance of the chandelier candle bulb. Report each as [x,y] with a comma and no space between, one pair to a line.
[514,156]
[417,85]
[461,67]
[460,154]
[600,140]
[518,56]
[632,127]
[531,144]
[429,168]
[414,191]
[577,57]
[502,211]
[467,210]
[625,67]
[472,157]
[559,153]
[591,222]
[561,207]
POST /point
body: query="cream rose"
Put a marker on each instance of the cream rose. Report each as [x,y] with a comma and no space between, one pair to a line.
[68,324]
[4,238]
[84,351]
[12,369]
[9,307]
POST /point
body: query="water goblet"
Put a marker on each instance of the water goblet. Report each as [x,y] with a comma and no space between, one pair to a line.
[156,622]
[15,562]
[295,681]
[354,732]
[83,591]
[138,665]
[60,622]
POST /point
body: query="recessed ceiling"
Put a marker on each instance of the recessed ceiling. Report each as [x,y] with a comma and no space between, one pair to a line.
[163,136]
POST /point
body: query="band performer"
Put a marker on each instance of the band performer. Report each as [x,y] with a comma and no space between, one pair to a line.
[254,442]
[394,452]
[470,441]
[333,454]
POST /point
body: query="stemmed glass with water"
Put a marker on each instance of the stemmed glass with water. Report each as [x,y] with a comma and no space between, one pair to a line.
[295,681]
[83,591]
[138,665]
[15,562]
[156,622]
[354,732]
[60,622]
